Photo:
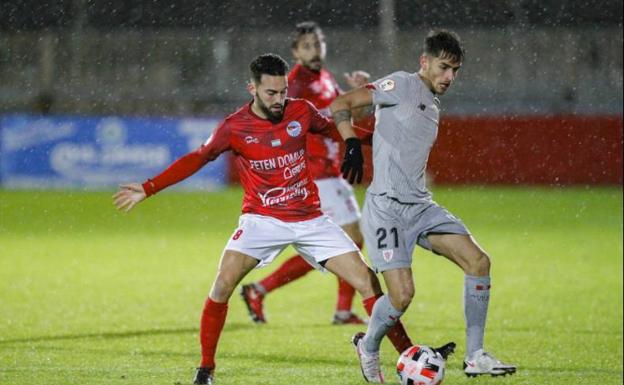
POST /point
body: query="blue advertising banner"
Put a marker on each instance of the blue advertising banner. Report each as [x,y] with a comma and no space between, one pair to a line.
[100,152]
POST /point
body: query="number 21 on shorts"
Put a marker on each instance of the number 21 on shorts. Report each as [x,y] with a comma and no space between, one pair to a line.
[382,234]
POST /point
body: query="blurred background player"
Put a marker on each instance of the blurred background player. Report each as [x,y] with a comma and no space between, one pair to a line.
[268,136]
[399,212]
[310,80]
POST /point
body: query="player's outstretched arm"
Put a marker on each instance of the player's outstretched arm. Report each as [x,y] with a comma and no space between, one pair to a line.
[128,196]
[342,106]
[357,79]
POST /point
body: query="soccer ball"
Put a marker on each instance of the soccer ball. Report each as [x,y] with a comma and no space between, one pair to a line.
[420,365]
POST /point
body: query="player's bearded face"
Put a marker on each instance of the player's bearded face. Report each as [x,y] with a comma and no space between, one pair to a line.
[439,72]
[270,97]
[311,51]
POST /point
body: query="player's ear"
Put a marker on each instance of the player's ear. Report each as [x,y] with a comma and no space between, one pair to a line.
[251,88]
[424,61]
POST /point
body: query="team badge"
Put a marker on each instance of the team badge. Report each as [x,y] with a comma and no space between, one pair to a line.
[387,85]
[293,128]
[387,254]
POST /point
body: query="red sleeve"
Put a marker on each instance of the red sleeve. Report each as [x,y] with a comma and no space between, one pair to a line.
[192,162]
[364,134]
[318,123]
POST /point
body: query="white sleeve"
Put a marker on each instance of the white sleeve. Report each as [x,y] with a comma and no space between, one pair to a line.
[390,89]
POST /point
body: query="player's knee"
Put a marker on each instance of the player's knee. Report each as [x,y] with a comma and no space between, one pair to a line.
[223,288]
[402,298]
[479,264]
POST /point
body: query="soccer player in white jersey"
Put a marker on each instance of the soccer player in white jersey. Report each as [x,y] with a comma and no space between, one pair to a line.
[399,212]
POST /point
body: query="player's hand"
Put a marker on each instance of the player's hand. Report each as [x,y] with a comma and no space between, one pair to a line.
[353,164]
[128,196]
[357,79]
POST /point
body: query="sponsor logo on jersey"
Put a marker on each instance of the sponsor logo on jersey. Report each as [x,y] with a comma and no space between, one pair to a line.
[277,162]
[387,254]
[387,85]
[276,143]
[251,139]
[281,195]
[293,128]
[290,172]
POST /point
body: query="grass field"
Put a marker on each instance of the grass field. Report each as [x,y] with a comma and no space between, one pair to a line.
[89,295]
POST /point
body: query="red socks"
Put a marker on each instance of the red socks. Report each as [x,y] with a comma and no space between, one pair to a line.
[295,267]
[345,296]
[212,321]
[397,334]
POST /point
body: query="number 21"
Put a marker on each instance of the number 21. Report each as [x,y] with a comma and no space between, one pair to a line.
[382,233]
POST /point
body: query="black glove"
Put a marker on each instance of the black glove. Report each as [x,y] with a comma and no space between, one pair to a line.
[353,163]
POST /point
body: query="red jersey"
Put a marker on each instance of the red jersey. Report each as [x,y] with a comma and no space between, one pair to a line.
[320,88]
[270,158]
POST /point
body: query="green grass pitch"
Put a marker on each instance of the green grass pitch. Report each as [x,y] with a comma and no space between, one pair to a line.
[92,296]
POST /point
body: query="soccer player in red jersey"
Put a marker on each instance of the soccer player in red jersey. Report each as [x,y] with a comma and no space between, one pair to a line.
[280,205]
[311,81]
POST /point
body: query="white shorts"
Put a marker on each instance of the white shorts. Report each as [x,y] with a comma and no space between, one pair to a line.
[338,201]
[263,238]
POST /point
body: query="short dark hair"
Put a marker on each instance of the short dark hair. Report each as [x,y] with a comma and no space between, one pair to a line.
[444,43]
[267,64]
[304,28]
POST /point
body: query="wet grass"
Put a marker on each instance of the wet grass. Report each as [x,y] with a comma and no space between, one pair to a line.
[89,295]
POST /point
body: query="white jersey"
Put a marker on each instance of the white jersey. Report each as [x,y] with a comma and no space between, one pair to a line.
[406,127]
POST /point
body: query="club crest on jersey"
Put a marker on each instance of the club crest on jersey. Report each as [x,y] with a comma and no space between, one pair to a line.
[387,85]
[293,128]
[387,254]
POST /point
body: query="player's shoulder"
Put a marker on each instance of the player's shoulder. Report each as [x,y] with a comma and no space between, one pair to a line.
[295,73]
[400,76]
[299,104]
[327,73]
[241,114]
[395,81]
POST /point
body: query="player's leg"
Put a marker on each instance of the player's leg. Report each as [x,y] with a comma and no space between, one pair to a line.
[466,253]
[351,268]
[325,244]
[246,249]
[388,309]
[344,303]
[339,203]
[253,294]
[389,251]
[232,268]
